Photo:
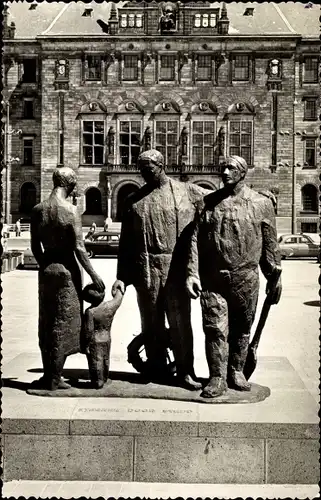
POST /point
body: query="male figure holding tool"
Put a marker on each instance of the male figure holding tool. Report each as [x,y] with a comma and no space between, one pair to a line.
[234,233]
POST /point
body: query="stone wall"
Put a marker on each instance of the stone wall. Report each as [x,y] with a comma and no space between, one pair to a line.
[113,94]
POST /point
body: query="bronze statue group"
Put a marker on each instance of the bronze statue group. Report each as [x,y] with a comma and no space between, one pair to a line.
[178,242]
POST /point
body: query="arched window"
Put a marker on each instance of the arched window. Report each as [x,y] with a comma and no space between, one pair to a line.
[28,197]
[213,20]
[93,202]
[139,20]
[309,198]
[197,20]
[123,193]
[205,20]
[131,20]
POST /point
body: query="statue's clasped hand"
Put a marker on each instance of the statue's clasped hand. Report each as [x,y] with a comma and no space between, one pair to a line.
[99,283]
[118,285]
[274,290]
[193,287]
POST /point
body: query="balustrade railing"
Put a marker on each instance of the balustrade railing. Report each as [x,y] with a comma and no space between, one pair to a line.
[170,169]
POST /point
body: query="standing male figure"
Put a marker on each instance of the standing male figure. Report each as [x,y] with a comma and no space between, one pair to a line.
[233,234]
[18,228]
[56,241]
[152,256]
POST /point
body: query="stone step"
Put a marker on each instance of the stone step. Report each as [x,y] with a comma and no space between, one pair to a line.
[106,489]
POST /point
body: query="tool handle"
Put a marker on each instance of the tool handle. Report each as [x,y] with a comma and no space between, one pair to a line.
[261,323]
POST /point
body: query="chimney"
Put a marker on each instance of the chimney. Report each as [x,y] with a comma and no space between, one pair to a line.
[113,20]
[223,23]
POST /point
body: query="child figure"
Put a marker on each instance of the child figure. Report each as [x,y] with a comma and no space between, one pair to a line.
[96,332]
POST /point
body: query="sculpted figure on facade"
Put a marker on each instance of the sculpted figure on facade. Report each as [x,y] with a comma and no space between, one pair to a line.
[153,257]
[56,241]
[233,235]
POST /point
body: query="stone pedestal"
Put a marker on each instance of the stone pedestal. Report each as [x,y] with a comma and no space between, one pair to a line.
[274,441]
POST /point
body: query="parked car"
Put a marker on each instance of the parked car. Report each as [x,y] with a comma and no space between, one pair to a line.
[103,243]
[298,245]
[29,261]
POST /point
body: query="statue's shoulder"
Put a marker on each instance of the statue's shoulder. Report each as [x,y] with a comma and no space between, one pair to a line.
[135,197]
[213,198]
[267,195]
[198,190]
[37,210]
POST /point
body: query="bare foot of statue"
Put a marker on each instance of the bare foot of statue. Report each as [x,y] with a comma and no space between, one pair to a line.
[187,382]
[238,381]
[60,385]
[216,387]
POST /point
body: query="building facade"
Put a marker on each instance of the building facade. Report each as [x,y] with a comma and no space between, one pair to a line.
[100,83]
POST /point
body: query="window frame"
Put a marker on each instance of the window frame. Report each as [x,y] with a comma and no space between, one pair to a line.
[316,78]
[128,119]
[313,202]
[166,118]
[86,68]
[32,101]
[25,148]
[36,75]
[92,119]
[314,148]
[175,68]
[212,69]
[203,119]
[241,119]
[249,69]
[315,115]
[138,70]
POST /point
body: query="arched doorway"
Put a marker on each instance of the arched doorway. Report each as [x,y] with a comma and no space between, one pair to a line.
[309,198]
[93,202]
[28,197]
[122,194]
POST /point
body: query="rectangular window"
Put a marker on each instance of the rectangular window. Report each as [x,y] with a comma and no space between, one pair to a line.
[167,68]
[129,142]
[130,68]
[93,142]
[241,68]
[309,227]
[204,67]
[203,139]
[240,140]
[311,70]
[310,152]
[310,109]
[27,151]
[28,108]
[29,71]
[93,68]
[166,140]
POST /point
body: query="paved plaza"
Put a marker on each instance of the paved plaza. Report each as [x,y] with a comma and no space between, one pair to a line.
[291,331]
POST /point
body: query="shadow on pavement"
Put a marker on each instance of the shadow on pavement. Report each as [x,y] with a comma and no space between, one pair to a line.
[315,303]
[79,378]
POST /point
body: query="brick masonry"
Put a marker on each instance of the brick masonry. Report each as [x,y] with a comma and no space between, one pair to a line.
[147,93]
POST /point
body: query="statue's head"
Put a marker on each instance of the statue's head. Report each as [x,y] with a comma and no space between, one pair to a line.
[151,165]
[65,177]
[234,170]
[168,9]
[91,295]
